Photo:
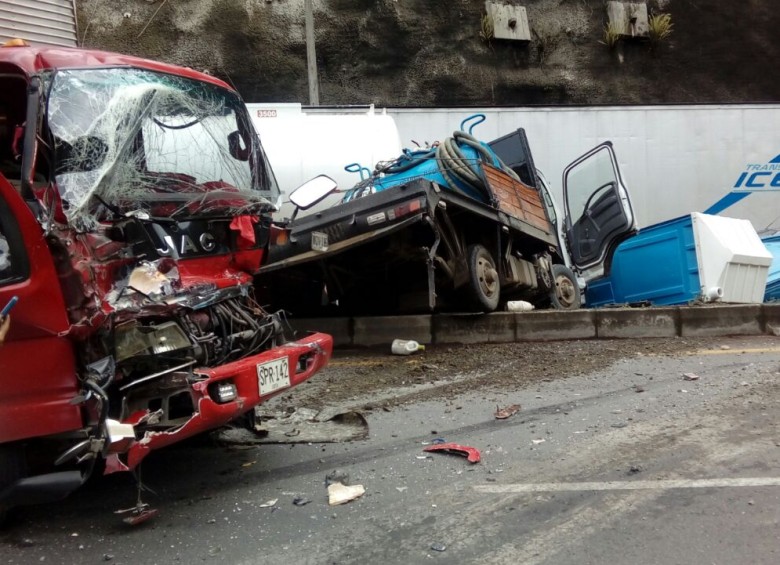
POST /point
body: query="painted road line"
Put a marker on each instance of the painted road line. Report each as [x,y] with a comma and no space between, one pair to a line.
[346,363]
[629,485]
[733,351]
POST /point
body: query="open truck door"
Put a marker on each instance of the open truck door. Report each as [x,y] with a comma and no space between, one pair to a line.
[598,209]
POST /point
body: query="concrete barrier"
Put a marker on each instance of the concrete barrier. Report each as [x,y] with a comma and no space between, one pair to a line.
[382,330]
[551,325]
[705,321]
[498,327]
[547,325]
[637,323]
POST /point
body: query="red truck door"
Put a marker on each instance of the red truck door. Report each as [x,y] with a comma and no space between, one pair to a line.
[37,364]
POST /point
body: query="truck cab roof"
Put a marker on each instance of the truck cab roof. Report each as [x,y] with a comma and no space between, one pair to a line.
[32,59]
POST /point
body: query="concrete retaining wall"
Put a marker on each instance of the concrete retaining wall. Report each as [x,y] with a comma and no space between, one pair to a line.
[548,325]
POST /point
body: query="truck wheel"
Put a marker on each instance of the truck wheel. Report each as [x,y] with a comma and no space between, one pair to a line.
[565,294]
[484,287]
[12,468]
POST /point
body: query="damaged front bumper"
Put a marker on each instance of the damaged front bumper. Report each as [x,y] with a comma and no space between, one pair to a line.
[223,394]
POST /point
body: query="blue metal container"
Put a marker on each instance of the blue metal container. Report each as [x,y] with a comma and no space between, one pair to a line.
[658,265]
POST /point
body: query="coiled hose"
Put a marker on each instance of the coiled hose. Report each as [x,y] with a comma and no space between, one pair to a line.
[455,166]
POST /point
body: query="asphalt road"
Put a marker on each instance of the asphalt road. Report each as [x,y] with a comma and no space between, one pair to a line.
[627,464]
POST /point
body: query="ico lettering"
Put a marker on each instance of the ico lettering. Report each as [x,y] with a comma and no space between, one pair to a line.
[758,179]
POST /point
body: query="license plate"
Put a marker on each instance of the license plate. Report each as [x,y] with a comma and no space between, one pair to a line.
[273,375]
[319,241]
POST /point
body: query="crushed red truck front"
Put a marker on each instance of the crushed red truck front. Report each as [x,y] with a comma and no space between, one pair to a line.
[135,210]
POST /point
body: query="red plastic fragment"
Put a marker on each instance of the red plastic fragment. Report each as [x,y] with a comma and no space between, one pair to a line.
[140,517]
[471,453]
[504,413]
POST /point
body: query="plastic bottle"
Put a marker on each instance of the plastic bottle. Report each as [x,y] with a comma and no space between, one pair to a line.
[519,306]
[405,347]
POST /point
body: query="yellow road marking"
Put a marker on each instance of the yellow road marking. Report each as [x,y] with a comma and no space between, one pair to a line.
[731,351]
[346,363]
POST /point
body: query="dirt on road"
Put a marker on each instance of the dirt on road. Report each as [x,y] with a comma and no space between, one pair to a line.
[373,378]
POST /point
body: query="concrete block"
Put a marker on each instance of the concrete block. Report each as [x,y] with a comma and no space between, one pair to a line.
[551,325]
[770,318]
[636,322]
[382,330]
[724,319]
[498,327]
[629,18]
[339,328]
[509,21]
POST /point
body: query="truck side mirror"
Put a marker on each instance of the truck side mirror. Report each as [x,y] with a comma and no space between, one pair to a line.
[313,191]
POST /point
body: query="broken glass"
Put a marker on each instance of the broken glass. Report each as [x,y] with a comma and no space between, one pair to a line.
[130,141]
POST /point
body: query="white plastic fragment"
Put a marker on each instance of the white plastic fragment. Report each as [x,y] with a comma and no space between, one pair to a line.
[340,494]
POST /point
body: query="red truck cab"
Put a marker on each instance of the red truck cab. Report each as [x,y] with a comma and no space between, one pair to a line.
[135,203]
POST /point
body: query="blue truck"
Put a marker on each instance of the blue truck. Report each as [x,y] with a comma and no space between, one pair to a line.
[461,226]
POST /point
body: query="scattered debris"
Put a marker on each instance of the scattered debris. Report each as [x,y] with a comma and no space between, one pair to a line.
[519,306]
[401,489]
[108,557]
[302,425]
[438,440]
[340,494]
[337,476]
[619,425]
[639,388]
[690,377]
[471,453]
[300,501]
[248,463]
[438,547]
[634,469]
[138,514]
[504,413]
[269,503]
[405,347]
[725,347]
[538,441]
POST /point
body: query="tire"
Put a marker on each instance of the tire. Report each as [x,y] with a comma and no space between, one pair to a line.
[484,288]
[12,468]
[565,294]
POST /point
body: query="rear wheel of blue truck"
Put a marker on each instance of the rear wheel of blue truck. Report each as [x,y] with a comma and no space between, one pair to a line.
[565,294]
[484,288]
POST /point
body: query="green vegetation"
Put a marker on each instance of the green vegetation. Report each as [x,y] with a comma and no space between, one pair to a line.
[660,27]
[611,35]
[486,32]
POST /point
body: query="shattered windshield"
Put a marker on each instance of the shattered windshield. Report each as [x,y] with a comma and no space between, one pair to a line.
[132,142]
